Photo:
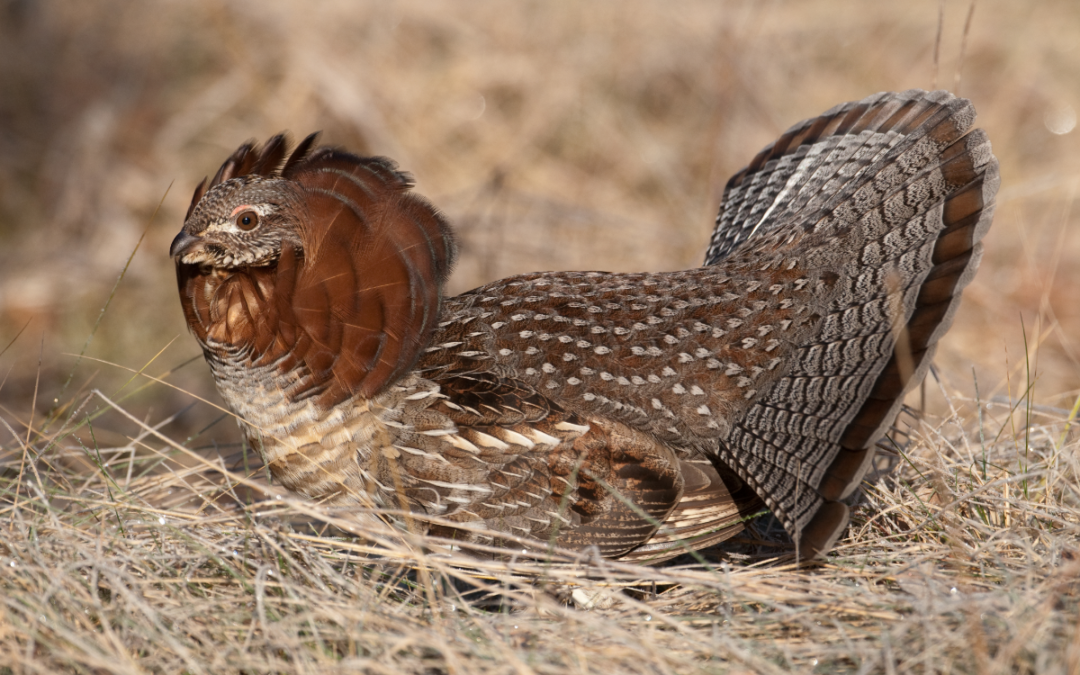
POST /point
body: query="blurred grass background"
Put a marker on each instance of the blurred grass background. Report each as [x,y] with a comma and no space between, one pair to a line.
[554,135]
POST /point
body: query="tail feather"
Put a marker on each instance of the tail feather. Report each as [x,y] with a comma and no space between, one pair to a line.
[893,197]
[816,164]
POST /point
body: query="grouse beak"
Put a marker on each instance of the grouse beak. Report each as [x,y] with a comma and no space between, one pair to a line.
[184,245]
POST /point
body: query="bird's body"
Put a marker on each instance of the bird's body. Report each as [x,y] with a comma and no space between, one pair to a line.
[638,413]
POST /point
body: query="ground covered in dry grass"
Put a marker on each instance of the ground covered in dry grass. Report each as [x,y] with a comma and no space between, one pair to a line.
[146,557]
[135,538]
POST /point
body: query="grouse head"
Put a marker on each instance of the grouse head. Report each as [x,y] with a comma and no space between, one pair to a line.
[318,261]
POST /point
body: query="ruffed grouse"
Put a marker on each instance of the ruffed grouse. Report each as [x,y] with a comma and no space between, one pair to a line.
[637,413]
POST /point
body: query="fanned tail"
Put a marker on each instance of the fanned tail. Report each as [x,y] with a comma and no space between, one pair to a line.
[890,198]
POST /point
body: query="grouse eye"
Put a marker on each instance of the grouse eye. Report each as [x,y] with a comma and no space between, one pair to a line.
[247,220]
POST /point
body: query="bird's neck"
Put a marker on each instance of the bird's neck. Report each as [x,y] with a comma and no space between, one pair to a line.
[319,437]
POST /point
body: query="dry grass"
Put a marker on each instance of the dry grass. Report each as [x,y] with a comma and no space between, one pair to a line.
[963,558]
[554,135]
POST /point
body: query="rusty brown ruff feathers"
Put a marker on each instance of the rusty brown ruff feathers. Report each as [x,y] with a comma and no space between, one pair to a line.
[638,413]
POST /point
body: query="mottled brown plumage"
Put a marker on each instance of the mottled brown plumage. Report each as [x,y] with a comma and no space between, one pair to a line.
[637,413]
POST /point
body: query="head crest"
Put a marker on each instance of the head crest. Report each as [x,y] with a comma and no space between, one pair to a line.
[266,161]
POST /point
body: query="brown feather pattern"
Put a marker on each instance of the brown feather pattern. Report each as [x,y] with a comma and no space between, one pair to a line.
[641,414]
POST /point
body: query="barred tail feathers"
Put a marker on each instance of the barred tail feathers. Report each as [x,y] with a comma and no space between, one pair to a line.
[894,196]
